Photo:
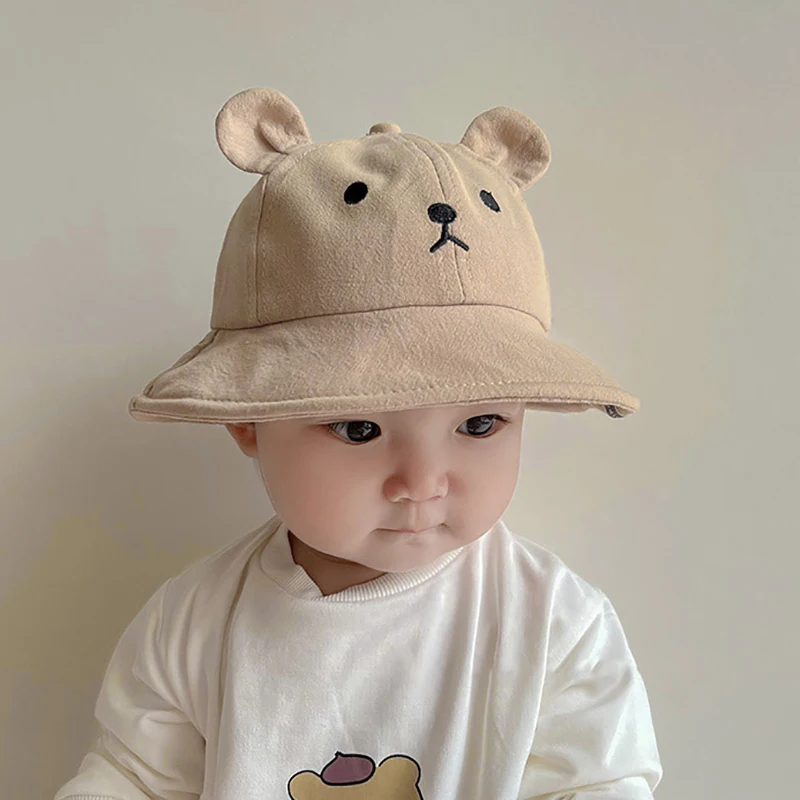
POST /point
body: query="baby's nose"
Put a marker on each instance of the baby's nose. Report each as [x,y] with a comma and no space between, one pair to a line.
[441,212]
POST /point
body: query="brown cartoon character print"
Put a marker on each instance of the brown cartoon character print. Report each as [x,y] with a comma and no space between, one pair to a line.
[352,776]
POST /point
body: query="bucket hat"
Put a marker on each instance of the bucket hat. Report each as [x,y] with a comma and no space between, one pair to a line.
[376,274]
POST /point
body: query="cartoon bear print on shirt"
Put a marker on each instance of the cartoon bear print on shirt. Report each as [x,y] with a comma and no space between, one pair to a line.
[352,776]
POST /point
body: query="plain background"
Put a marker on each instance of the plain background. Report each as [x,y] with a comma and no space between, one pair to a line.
[668,218]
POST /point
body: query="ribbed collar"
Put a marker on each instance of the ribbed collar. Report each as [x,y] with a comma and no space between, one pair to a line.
[277,562]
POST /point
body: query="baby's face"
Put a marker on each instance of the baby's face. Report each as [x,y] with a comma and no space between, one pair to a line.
[344,484]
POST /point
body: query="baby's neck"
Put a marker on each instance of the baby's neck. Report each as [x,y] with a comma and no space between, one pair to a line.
[329,576]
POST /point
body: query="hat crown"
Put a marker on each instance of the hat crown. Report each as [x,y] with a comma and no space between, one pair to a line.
[388,220]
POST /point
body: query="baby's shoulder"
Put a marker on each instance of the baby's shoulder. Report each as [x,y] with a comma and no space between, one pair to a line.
[207,587]
[539,566]
[561,598]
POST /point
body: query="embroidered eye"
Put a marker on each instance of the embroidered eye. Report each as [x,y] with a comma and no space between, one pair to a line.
[355,193]
[489,200]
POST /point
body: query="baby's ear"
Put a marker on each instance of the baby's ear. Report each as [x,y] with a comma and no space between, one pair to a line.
[512,141]
[256,128]
[245,435]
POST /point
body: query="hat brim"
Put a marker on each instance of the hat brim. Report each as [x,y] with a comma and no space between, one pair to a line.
[376,361]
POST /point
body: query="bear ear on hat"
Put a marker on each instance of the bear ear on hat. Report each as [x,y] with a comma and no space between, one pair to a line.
[258,127]
[512,141]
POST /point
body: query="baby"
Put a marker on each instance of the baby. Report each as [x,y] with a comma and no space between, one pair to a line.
[379,328]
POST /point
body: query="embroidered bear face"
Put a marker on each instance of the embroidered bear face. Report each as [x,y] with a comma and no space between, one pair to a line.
[347,212]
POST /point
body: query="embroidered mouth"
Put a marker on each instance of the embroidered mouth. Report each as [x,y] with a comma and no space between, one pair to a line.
[444,214]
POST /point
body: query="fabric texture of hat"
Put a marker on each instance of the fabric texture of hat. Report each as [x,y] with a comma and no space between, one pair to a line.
[377,274]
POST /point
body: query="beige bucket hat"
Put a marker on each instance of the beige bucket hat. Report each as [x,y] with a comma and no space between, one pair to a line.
[377,274]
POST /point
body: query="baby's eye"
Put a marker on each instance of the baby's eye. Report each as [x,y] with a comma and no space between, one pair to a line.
[355,193]
[353,426]
[489,201]
[491,417]
[357,427]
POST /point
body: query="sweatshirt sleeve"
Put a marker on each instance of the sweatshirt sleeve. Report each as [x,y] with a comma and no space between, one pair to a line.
[594,736]
[148,747]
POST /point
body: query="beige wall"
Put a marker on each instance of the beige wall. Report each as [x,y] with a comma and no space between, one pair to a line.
[669,220]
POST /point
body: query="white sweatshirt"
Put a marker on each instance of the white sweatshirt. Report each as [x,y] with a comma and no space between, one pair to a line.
[493,673]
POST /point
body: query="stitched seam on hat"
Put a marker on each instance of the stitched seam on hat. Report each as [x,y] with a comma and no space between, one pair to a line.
[422,388]
[275,177]
[188,356]
[390,308]
[415,149]
[255,245]
[489,163]
[482,159]
[441,187]
[461,257]
[288,167]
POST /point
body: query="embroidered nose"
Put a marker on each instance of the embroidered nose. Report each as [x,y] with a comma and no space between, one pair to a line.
[442,213]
